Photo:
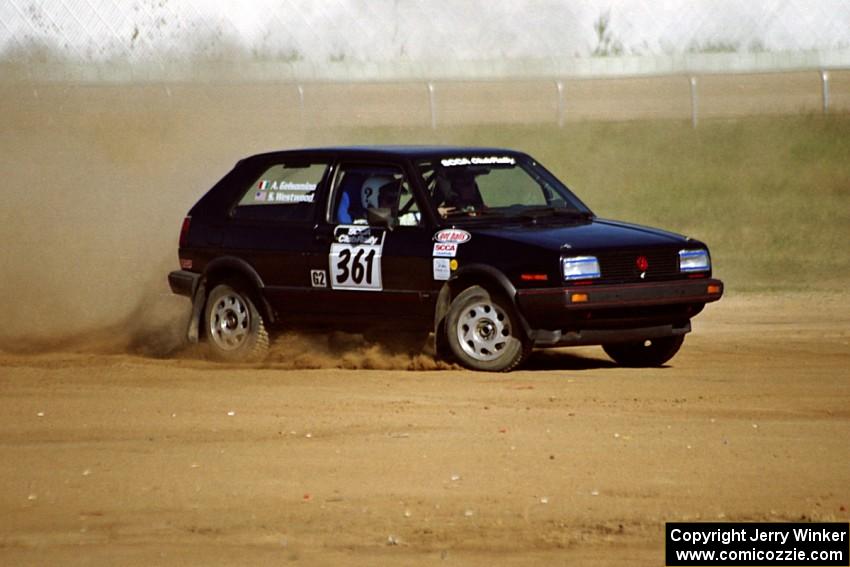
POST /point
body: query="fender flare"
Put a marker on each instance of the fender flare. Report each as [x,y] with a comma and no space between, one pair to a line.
[476,274]
[230,265]
[233,264]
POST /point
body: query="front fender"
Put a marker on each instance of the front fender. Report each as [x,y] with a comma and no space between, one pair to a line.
[476,274]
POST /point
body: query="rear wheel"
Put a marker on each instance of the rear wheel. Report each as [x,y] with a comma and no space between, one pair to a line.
[483,332]
[646,353]
[235,328]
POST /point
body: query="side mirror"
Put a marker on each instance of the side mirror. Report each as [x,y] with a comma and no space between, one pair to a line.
[382,216]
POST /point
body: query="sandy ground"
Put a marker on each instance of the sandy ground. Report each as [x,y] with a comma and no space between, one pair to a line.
[110,459]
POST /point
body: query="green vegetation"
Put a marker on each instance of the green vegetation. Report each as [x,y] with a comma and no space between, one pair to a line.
[771,196]
[606,45]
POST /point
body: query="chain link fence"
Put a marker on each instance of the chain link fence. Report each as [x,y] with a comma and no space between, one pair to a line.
[471,61]
[409,32]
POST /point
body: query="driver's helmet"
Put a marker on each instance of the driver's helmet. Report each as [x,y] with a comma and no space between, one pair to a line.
[371,191]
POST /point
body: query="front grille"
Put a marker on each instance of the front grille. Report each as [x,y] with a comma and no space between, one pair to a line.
[621,266]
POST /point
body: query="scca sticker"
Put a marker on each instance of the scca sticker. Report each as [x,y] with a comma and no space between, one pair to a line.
[445,249]
[454,235]
[488,160]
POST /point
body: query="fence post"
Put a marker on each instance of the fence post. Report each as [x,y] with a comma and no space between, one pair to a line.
[432,104]
[693,102]
[301,104]
[824,79]
[560,86]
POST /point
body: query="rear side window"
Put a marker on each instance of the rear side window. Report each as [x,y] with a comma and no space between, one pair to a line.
[284,192]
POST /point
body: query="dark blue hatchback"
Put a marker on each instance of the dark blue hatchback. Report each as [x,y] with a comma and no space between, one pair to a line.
[482,248]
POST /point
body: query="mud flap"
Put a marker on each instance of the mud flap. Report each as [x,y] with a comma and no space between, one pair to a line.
[193,331]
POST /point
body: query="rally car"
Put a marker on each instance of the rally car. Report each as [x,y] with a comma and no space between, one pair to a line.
[483,247]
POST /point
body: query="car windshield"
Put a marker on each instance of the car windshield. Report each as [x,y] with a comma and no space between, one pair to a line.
[469,188]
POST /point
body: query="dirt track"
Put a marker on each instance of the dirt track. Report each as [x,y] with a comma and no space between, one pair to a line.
[119,459]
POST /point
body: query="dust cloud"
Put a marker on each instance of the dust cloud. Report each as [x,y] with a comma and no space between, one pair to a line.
[96,182]
[304,351]
[94,187]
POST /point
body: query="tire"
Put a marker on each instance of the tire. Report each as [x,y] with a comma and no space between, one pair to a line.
[647,353]
[483,332]
[235,328]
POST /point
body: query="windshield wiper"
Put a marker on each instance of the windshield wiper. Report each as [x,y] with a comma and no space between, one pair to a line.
[472,213]
[516,213]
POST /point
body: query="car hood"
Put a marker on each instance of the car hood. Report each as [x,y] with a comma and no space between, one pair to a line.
[595,234]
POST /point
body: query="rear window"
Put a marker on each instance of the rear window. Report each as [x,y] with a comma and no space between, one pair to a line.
[284,192]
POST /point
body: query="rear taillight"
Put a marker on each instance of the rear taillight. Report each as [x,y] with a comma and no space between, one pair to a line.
[184,231]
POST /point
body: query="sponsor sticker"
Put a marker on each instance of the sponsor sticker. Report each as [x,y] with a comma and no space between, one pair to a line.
[445,249]
[488,160]
[455,235]
[442,269]
[358,234]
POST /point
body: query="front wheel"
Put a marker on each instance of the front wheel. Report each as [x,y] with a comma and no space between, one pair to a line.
[235,329]
[483,332]
[646,353]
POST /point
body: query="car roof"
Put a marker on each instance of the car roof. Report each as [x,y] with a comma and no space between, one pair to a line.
[416,152]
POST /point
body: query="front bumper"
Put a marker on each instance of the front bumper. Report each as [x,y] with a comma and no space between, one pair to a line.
[596,314]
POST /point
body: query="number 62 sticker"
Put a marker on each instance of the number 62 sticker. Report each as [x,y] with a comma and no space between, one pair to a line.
[355,258]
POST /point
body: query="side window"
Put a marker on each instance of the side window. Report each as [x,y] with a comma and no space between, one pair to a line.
[283,192]
[362,187]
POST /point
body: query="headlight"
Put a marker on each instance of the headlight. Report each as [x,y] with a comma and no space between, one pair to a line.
[694,261]
[580,267]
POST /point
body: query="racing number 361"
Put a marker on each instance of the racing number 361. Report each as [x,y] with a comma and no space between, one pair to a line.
[355,266]
[361,263]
